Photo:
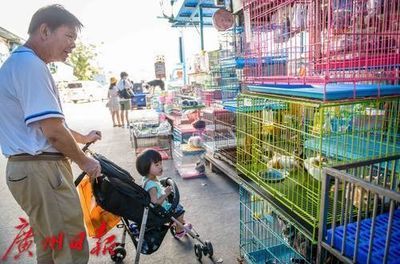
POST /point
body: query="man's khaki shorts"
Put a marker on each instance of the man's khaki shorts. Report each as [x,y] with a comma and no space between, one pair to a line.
[45,191]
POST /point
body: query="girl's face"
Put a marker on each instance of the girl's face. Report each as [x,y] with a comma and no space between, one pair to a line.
[156,169]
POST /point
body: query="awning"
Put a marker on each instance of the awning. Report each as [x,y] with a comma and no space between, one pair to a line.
[187,12]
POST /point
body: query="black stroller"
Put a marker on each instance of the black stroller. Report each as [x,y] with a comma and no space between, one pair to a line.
[146,223]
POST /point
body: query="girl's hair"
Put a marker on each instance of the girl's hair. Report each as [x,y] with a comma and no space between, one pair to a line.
[113,82]
[145,159]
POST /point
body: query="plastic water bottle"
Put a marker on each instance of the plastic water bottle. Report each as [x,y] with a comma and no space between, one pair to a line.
[134,229]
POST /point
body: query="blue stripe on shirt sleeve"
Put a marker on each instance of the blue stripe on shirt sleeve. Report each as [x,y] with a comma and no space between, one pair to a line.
[43,114]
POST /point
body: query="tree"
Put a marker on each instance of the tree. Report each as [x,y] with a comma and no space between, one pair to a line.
[53,67]
[83,59]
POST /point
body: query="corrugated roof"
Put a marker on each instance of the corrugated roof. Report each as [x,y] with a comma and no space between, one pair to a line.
[4,33]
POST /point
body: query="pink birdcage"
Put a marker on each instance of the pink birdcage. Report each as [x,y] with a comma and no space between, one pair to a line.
[354,43]
[208,97]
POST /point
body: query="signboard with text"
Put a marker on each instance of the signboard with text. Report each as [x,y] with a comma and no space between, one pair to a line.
[159,68]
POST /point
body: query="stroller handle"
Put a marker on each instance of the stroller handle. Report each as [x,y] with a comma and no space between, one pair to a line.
[87,145]
[80,177]
[174,199]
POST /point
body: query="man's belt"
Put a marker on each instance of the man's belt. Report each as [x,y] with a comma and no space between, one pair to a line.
[41,156]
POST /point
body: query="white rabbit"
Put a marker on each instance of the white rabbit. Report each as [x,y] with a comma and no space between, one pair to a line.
[279,161]
[314,166]
[195,141]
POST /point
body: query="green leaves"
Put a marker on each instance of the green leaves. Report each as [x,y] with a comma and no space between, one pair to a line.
[83,60]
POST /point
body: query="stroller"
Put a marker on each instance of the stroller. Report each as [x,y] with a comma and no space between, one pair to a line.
[146,223]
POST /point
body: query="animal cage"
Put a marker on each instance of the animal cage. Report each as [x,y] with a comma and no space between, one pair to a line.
[231,63]
[367,228]
[266,236]
[324,43]
[219,136]
[210,97]
[213,72]
[283,143]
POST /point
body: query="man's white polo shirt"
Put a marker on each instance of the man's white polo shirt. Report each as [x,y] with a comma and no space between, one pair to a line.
[27,94]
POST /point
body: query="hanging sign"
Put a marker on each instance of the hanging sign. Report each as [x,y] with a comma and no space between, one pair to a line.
[159,67]
[223,19]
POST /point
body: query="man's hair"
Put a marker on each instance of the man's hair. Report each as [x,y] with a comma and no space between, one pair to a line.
[123,74]
[145,159]
[53,16]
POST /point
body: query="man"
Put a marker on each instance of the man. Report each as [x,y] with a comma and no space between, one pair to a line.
[36,140]
[125,102]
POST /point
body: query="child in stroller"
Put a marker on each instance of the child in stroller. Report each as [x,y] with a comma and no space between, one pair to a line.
[149,165]
[145,222]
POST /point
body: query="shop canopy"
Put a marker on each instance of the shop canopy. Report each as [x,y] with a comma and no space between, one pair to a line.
[193,12]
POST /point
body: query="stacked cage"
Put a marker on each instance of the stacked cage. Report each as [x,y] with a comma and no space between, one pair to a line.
[219,136]
[327,51]
[326,45]
[268,236]
[188,149]
[211,91]
[367,228]
[231,64]
[151,131]
[283,144]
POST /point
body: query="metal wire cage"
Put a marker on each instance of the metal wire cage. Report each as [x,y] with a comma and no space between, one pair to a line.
[161,143]
[231,63]
[211,97]
[213,73]
[266,236]
[283,144]
[220,134]
[366,229]
[320,42]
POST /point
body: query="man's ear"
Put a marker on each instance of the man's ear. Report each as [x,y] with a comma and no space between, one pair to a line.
[44,31]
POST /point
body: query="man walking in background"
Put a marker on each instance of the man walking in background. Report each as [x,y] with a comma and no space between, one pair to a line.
[125,92]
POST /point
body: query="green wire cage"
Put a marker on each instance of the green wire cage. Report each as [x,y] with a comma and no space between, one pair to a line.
[283,143]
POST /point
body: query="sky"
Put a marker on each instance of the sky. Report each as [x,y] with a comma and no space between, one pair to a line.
[127,33]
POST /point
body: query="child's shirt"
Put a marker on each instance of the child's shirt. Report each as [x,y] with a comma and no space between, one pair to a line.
[148,184]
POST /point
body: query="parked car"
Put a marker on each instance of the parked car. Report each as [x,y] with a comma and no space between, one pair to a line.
[85,91]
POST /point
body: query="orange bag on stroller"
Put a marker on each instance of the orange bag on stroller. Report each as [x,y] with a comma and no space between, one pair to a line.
[93,214]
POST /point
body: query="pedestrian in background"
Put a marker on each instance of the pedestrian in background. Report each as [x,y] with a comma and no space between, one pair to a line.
[113,102]
[125,91]
[37,141]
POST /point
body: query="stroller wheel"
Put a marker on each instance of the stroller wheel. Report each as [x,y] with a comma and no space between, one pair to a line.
[118,254]
[208,248]
[198,251]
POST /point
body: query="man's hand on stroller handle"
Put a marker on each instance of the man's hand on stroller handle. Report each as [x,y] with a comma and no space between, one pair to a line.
[93,136]
[91,166]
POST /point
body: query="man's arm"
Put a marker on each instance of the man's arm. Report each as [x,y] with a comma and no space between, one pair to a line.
[83,139]
[63,140]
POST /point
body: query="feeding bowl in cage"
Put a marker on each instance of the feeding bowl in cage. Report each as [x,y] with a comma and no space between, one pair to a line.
[273,175]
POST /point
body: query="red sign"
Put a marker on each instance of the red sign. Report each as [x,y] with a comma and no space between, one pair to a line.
[223,20]
[24,240]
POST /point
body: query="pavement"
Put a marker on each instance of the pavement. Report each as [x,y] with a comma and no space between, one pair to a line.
[211,203]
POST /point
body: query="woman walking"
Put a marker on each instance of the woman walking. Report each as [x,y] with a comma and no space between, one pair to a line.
[113,102]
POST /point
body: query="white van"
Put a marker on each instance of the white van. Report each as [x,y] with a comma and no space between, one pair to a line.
[85,91]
